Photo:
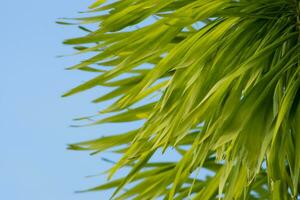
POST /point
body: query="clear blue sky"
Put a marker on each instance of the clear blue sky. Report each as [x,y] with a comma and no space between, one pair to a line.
[34,125]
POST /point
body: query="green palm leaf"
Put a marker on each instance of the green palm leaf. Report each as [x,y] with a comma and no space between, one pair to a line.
[215,80]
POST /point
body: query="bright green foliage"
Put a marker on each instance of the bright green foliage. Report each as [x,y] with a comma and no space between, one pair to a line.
[216,80]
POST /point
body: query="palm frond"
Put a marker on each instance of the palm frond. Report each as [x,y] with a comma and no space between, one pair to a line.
[215,80]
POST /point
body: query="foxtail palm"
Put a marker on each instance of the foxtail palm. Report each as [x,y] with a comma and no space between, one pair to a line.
[215,80]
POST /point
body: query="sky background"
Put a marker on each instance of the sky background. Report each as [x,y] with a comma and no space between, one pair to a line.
[34,125]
